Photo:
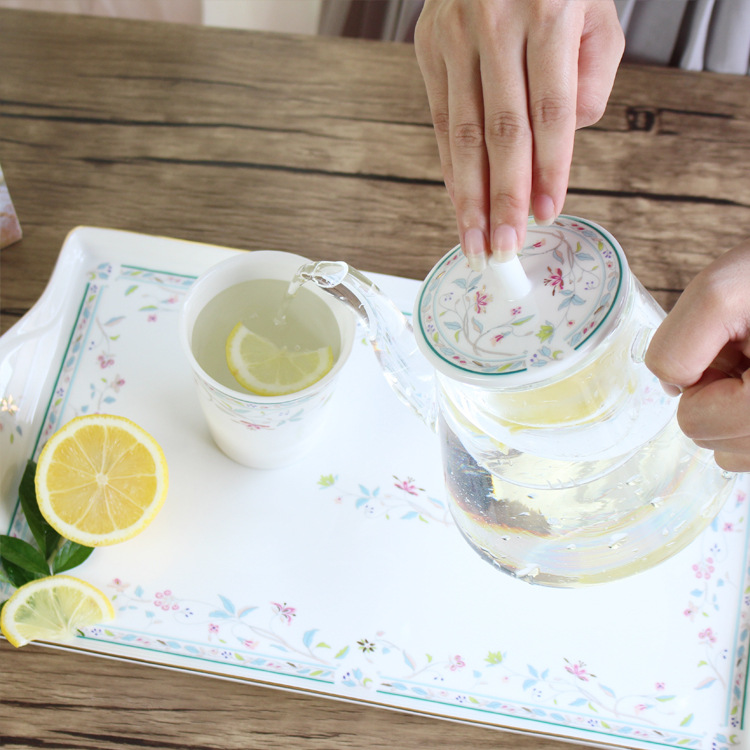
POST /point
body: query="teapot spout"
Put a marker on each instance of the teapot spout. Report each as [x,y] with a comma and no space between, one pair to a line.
[405,368]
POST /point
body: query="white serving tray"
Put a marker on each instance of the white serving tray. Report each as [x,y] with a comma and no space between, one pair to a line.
[344,576]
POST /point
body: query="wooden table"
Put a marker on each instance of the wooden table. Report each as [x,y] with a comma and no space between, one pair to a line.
[325,147]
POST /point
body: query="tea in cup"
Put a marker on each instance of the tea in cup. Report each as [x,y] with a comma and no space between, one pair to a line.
[264,361]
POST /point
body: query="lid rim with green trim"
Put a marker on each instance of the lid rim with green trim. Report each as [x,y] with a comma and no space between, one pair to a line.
[472,331]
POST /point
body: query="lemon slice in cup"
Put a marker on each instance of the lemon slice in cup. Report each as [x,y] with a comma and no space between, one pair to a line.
[101,479]
[270,370]
[53,609]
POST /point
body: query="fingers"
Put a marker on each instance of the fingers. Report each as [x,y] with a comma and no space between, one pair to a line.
[502,79]
[716,408]
[602,46]
[552,71]
[468,157]
[714,414]
[449,61]
[508,142]
[711,319]
[427,38]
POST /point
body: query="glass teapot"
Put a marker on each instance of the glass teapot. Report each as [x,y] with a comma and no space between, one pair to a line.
[564,463]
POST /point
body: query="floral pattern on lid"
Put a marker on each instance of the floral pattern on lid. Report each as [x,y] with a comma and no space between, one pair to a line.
[471,330]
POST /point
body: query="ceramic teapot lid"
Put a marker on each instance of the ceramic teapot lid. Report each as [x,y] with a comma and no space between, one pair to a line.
[474,328]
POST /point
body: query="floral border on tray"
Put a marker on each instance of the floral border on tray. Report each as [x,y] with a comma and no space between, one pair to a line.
[270,638]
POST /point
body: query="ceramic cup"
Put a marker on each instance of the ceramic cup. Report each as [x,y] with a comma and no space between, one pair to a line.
[258,431]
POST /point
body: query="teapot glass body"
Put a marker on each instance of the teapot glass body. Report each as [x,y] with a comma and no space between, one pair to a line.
[581,478]
[564,463]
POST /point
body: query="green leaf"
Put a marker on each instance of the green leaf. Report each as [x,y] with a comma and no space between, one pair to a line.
[494,657]
[23,554]
[17,576]
[544,332]
[4,576]
[44,535]
[70,555]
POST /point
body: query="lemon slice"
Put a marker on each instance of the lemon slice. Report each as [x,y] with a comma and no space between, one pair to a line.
[269,370]
[101,479]
[53,609]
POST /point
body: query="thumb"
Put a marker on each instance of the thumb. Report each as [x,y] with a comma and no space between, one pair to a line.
[709,324]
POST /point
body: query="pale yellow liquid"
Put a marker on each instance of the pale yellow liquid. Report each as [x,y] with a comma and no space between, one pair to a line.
[299,323]
[625,521]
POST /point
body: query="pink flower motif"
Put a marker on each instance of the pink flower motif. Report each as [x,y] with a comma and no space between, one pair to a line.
[286,613]
[728,526]
[117,383]
[250,644]
[151,318]
[456,663]
[741,497]
[641,707]
[515,311]
[253,426]
[555,280]
[690,611]
[704,569]
[213,627]
[481,300]
[407,486]
[578,670]
[498,338]
[105,361]
[707,635]
[660,686]
[165,601]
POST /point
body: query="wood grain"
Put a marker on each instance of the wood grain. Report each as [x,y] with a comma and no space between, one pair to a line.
[324,147]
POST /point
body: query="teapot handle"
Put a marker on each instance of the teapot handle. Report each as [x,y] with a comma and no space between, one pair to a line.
[405,368]
[640,344]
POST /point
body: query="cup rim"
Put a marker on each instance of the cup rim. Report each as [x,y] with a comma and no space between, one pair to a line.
[344,318]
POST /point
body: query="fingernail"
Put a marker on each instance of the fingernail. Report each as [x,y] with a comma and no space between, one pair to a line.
[504,243]
[544,210]
[671,390]
[474,249]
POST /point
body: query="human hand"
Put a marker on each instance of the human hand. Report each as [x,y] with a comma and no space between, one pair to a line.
[703,349]
[508,82]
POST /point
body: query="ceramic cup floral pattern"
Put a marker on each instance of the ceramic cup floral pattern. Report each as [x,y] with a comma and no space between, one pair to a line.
[262,416]
[261,431]
[469,325]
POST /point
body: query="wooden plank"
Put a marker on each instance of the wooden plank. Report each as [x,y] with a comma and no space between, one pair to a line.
[166,710]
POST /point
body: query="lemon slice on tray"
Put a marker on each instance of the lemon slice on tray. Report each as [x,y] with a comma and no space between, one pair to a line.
[53,609]
[270,370]
[101,479]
